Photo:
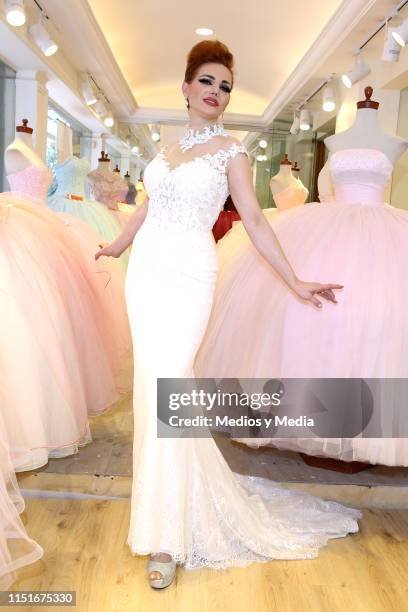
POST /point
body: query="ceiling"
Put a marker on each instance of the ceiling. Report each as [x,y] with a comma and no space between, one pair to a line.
[150,39]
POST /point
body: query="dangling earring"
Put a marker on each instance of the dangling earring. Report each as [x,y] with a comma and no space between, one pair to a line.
[187,103]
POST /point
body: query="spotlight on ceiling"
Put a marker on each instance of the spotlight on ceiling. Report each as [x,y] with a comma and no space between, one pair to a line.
[294,128]
[109,120]
[43,40]
[15,13]
[360,70]
[87,92]
[400,34]
[263,144]
[391,49]
[155,134]
[100,108]
[304,120]
[204,31]
[329,101]
[135,149]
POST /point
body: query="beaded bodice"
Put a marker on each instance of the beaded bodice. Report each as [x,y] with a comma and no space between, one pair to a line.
[32,181]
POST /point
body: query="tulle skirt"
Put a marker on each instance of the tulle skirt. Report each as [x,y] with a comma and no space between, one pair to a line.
[185,499]
[17,549]
[63,331]
[260,329]
[92,212]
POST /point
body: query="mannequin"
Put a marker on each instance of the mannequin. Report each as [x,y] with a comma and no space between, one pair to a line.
[296,174]
[367,133]
[107,186]
[284,178]
[131,194]
[20,154]
[287,190]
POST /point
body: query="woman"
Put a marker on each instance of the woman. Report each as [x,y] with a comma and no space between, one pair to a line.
[187,505]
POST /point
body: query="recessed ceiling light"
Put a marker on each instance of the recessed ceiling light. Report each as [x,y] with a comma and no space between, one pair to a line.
[204,31]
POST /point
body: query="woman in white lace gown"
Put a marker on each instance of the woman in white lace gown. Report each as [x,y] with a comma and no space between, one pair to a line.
[188,507]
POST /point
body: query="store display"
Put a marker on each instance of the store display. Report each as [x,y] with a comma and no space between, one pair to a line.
[109,188]
[70,198]
[358,241]
[53,290]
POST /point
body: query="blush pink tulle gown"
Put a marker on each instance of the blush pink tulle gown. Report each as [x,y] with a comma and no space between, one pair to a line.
[64,341]
[17,549]
[258,328]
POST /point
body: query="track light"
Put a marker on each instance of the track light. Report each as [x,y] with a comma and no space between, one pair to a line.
[294,128]
[109,120]
[263,144]
[329,101]
[88,93]
[155,134]
[135,149]
[400,34]
[15,13]
[100,108]
[304,121]
[43,40]
[360,70]
[391,49]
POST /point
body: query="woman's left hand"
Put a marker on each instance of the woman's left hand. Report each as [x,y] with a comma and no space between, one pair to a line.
[308,291]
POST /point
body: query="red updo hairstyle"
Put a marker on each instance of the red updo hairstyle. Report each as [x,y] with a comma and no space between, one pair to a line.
[205,52]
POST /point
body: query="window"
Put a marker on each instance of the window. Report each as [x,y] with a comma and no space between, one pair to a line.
[7,116]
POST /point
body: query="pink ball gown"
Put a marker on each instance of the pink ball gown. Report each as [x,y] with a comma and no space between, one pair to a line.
[17,549]
[258,328]
[63,325]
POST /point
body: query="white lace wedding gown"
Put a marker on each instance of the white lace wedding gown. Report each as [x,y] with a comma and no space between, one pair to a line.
[185,500]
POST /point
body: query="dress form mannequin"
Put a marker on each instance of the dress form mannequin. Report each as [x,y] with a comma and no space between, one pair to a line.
[284,178]
[107,186]
[131,194]
[19,154]
[296,174]
[287,190]
[367,133]
[104,163]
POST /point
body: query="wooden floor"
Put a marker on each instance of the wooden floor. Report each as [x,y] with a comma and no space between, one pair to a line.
[85,539]
[85,552]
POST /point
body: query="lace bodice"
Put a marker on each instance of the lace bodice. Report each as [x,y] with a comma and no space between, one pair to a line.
[290,196]
[71,175]
[191,195]
[32,181]
[360,175]
[107,187]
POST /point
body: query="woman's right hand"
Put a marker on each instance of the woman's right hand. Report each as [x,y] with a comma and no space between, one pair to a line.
[108,250]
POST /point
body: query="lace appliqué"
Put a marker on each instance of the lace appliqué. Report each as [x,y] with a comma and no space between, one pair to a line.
[189,196]
[193,137]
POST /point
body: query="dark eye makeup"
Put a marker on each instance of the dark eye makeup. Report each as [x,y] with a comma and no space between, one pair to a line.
[208,81]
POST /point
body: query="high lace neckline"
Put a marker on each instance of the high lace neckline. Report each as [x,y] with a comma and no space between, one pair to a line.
[193,136]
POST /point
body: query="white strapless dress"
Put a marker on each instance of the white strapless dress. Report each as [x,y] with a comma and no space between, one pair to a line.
[185,500]
[356,240]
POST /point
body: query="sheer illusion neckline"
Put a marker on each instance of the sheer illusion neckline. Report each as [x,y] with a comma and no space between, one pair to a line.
[205,156]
